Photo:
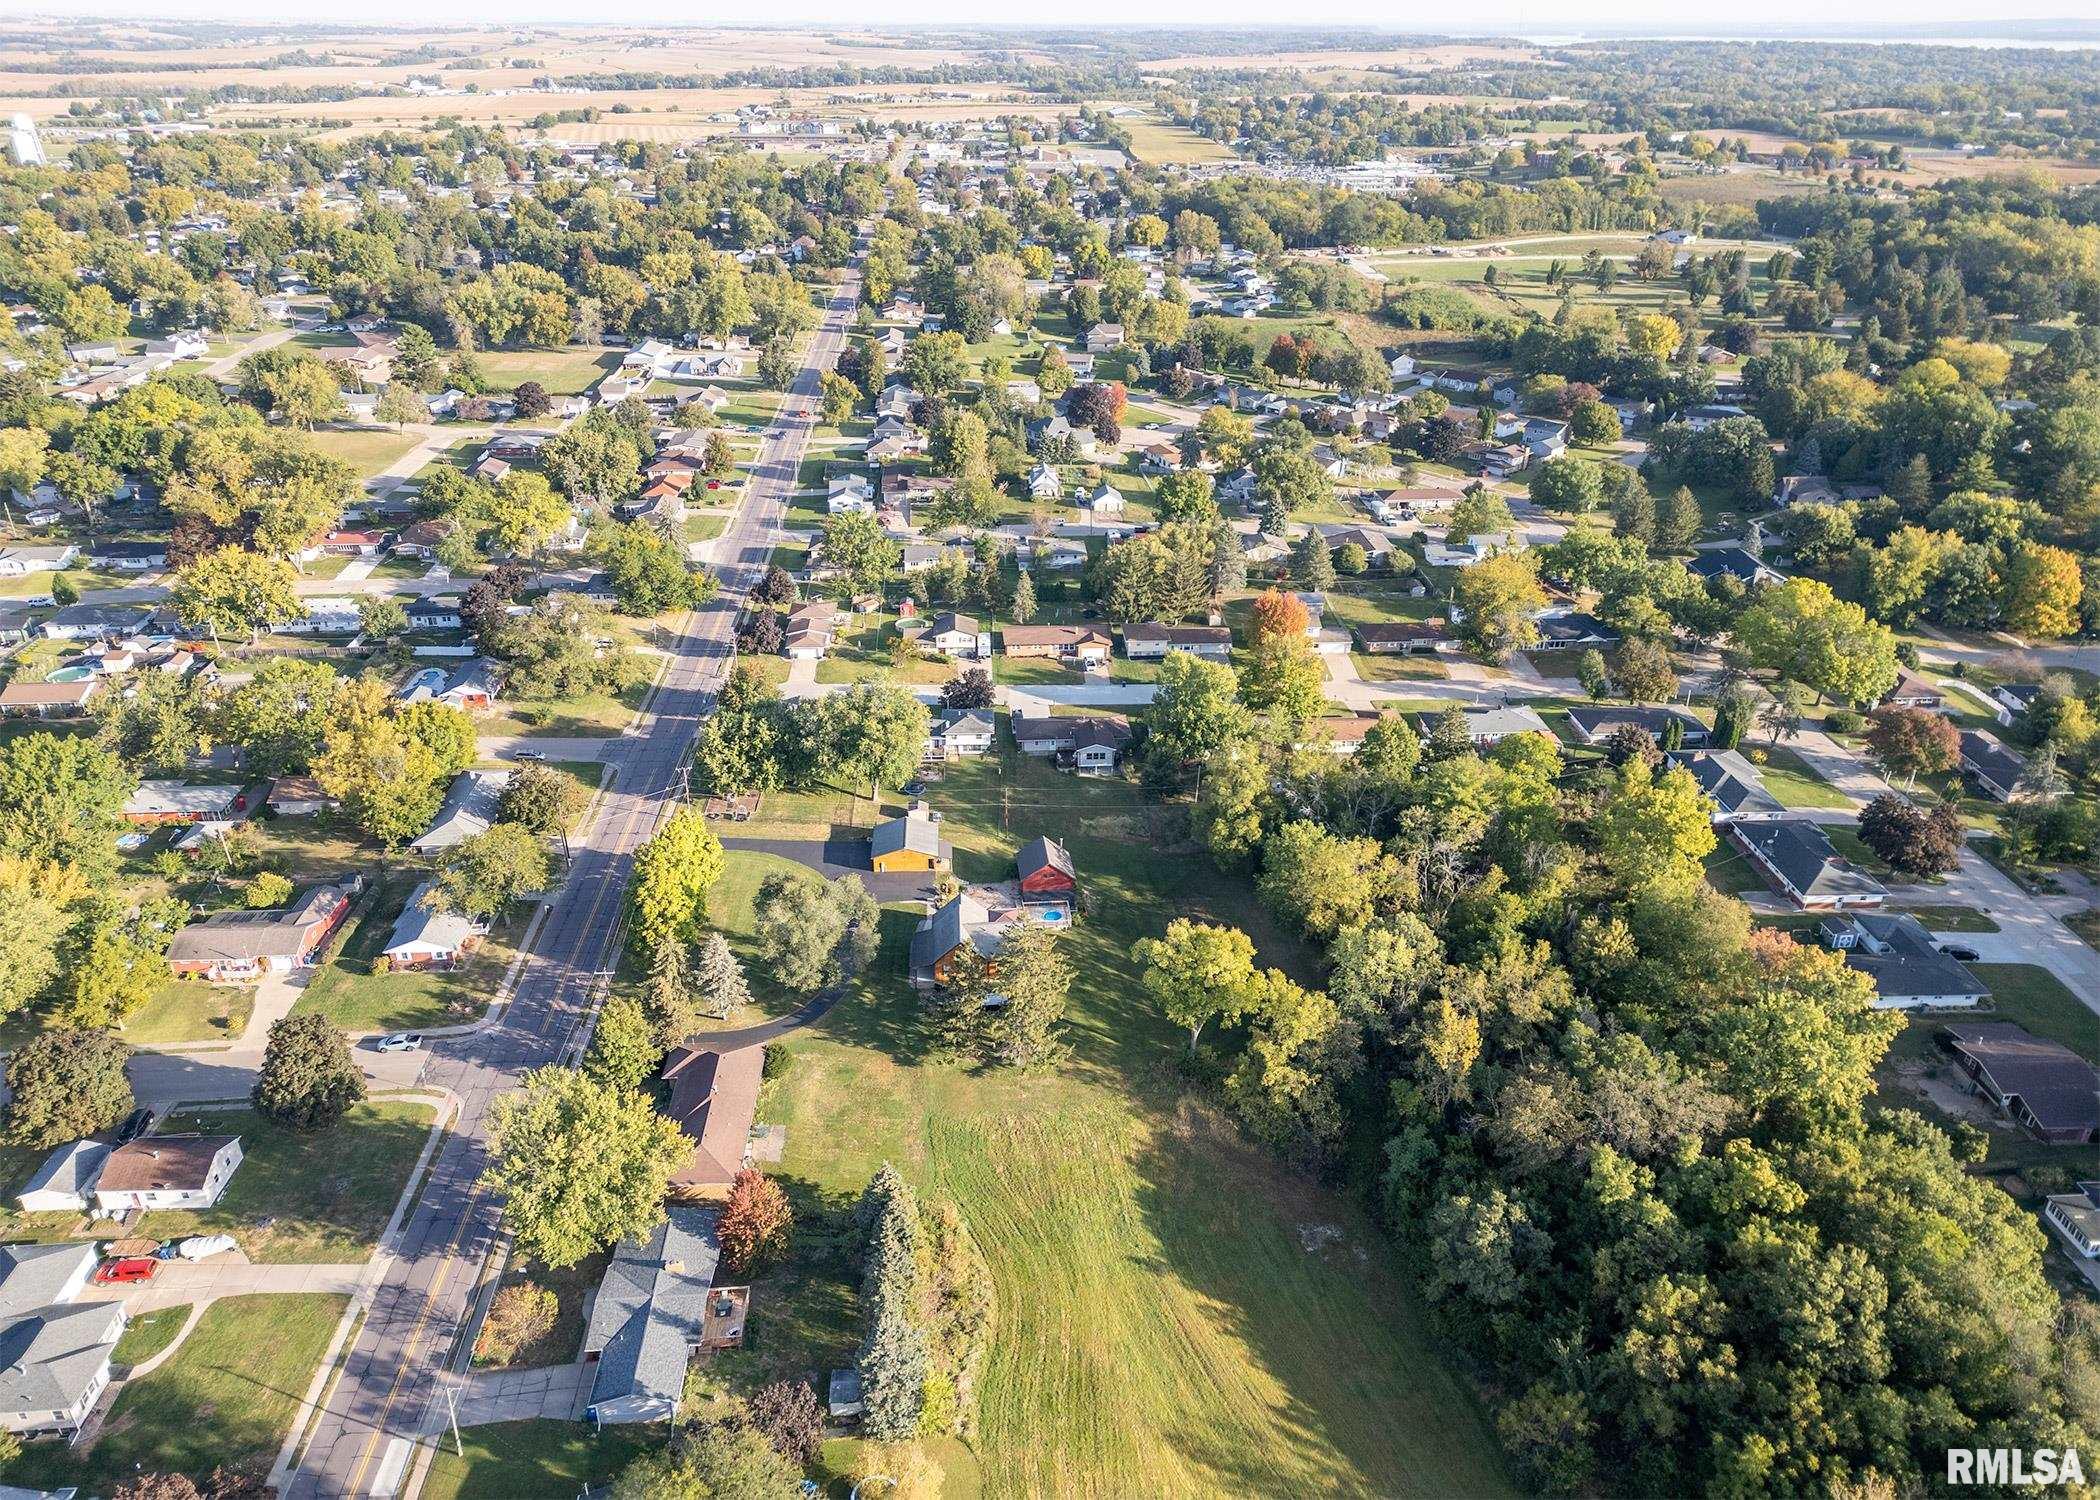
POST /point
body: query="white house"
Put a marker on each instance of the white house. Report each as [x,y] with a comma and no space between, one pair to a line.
[65,1183]
[58,1349]
[850,494]
[1044,483]
[1104,337]
[958,635]
[168,1171]
[1103,500]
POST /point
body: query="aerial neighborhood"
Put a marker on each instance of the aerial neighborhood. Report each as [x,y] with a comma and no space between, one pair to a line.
[761,762]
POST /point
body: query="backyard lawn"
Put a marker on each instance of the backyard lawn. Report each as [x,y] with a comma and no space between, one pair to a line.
[564,372]
[226,1397]
[1169,1322]
[348,991]
[191,1012]
[366,449]
[320,1197]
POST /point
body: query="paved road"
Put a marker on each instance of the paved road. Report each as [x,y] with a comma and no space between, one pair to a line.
[390,1378]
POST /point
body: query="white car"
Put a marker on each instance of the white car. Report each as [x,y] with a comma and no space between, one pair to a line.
[401,1041]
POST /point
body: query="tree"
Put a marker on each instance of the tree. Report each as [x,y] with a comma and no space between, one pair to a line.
[792,1419]
[520,1315]
[1593,424]
[1677,520]
[1312,562]
[1479,512]
[308,1078]
[1591,673]
[390,783]
[1023,608]
[1498,600]
[670,996]
[969,689]
[579,1164]
[872,733]
[1196,712]
[1914,741]
[1643,672]
[62,800]
[1278,615]
[486,875]
[542,800]
[1035,980]
[813,933]
[2043,586]
[531,400]
[755,1223]
[1911,839]
[1654,831]
[711,1460]
[646,569]
[35,897]
[673,873]
[235,592]
[1317,881]
[381,617]
[63,1085]
[400,405]
[1805,633]
[718,979]
[1197,973]
[625,1047]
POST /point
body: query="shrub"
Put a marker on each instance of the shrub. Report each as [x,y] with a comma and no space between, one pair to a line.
[788,1414]
[778,1058]
[1843,721]
[268,889]
[520,1315]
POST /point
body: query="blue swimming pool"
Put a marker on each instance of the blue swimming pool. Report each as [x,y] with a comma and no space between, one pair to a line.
[1054,915]
[70,674]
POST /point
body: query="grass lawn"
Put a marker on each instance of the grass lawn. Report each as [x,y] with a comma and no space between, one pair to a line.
[840,1461]
[730,907]
[564,372]
[2038,1000]
[1952,918]
[1852,847]
[347,991]
[1789,778]
[863,655]
[539,1460]
[366,449]
[325,1194]
[706,526]
[1163,1328]
[227,1396]
[149,1333]
[1730,873]
[811,815]
[582,716]
[1385,668]
[1040,669]
[191,1012]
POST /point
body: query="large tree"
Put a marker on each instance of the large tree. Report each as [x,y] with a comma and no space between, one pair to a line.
[673,873]
[233,591]
[580,1164]
[813,933]
[63,1085]
[1498,600]
[308,1077]
[1197,973]
[61,799]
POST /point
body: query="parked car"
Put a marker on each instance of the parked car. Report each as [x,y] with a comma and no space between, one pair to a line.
[122,1270]
[912,788]
[1957,950]
[134,1126]
[401,1041]
[527,755]
[199,1247]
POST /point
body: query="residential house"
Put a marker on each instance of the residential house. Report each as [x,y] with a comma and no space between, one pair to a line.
[299,797]
[422,538]
[2043,1086]
[1081,643]
[1734,562]
[65,1182]
[849,494]
[427,937]
[1733,785]
[1990,764]
[1403,637]
[1572,630]
[1377,546]
[1081,363]
[957,635]
[648,1319]
[168,1171]
[1044,483]
[236,946]
[56,1350]
[714,1099]
[1593,725]
[1150,640]
[957,732]
[129,557]
[938,942]
[1912,691]
[158,802]
[1814,489]
[432,616]
[1699,418]
[1082,744]
[910,845]
[472,686]
[2014,699]
[1908,969]
[47,700]
[20,562]
[1046,870]
[1104,499]
[1103,338]
[469,808]
[86,622]
[1057,555]
[2076,1217]
[1490,726]
[1797,858]
[333,615]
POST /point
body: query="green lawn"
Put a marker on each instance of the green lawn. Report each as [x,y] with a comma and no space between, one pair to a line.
[1162,1327]
[322,1196]
[572,1286]
[1789,778]
[541,1460]
[582,716]
[149,1333]
[1730,873]
[191,1012]
[863,655]
[729,907]
[226,1397]
[2038,1000]
[366,449]
[1040,669]
[564,372]
[812,814]
[1952,918]
[348,992]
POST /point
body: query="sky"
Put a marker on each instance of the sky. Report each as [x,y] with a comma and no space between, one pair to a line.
[1478,17]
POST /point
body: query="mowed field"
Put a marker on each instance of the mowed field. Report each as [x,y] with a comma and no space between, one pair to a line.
[1178,1313]
[1160,144]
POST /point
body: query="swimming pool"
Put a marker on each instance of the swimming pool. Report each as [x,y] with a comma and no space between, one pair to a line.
[1051,916]
[70,674]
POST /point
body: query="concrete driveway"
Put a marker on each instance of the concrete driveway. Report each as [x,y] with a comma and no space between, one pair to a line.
[227,1275]
[559,1391]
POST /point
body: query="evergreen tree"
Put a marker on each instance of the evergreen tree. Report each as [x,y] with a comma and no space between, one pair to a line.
[1312,562]
[1024,600]
[671,994]
[718,985]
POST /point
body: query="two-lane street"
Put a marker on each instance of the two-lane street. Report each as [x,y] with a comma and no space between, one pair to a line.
[359,1444]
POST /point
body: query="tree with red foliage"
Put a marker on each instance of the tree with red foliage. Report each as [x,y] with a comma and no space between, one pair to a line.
[1914,741]
[1278,615]
[755,1222]
[1911,839]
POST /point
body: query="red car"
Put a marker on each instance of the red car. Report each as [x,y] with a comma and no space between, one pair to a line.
[126,1268]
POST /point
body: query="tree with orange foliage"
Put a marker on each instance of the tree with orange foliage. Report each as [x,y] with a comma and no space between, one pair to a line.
[755,1222]
[1279,614]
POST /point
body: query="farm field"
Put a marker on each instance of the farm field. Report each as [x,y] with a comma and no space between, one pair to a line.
[1178,1314]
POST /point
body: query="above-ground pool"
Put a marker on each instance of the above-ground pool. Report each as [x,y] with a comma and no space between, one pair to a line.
[70,674]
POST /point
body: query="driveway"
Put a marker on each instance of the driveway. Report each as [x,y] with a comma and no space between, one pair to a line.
[558,1391]
[227,1275]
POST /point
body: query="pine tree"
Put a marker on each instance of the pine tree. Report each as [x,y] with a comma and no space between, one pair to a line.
[1024,600]
[1228,565]
[1035,980]
[670,993]
[718,985]
[1312,563]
